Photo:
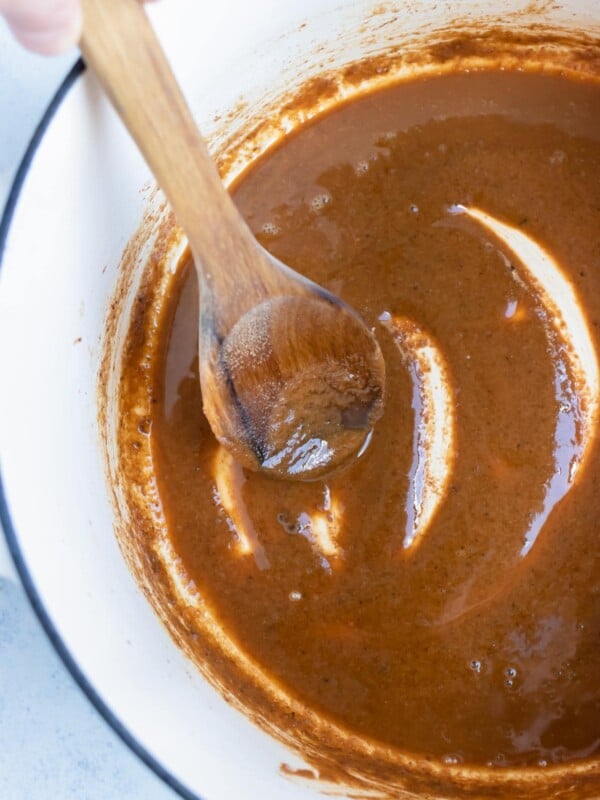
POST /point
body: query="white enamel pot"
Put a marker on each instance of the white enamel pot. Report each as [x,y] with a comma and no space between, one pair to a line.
[76,202]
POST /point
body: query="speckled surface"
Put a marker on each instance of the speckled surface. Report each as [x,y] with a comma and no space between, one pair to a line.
[53,743]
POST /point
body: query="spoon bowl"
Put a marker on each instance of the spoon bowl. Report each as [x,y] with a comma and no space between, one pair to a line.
[296,385]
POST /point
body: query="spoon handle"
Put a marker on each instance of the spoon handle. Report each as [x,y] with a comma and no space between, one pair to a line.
[118,42]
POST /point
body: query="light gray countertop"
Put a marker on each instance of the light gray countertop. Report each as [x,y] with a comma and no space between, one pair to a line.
[53,743]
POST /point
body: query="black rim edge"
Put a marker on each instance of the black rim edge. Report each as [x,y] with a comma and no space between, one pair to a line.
[5,519]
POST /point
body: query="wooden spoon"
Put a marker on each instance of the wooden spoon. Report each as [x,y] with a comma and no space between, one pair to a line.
[292,379]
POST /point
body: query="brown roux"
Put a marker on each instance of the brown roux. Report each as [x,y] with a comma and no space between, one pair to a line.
[478,643]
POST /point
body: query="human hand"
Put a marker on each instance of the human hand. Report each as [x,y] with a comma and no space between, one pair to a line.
[44,26]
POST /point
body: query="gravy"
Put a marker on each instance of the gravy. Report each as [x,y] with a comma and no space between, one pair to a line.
[442,595]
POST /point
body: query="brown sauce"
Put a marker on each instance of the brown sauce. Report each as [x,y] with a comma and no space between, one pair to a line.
[449,611]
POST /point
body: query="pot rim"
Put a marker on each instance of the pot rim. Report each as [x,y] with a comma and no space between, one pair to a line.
[10,533]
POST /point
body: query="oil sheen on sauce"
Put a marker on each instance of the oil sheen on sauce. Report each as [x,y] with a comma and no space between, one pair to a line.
[442,595]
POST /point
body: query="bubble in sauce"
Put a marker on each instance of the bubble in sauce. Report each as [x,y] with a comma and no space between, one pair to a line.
[511,307]
[271,229]
[319,202]
[511,674]
[286,524]
[452,758]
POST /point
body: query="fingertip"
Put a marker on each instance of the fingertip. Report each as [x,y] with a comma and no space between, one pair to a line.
[63,33]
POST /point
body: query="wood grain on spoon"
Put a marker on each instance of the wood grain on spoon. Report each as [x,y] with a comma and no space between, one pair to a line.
[292,379]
